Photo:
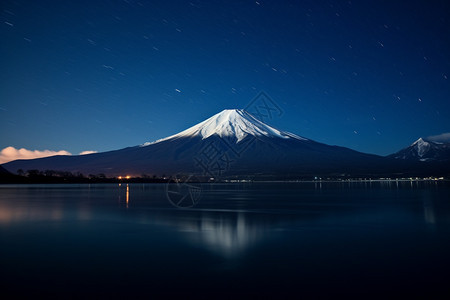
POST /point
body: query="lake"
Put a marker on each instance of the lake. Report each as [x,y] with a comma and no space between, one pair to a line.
[239,240]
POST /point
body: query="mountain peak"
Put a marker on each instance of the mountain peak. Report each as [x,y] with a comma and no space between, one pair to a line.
[420,141]
[236,123]
[422,147]
[231,110]
[425,149]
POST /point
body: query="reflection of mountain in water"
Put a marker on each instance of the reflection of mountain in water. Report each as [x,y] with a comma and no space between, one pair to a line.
[226,233]
[229,235]
[230,220]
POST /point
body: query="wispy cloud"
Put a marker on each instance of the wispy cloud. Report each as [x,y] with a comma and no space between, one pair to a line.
[88,152]
[11,153]
[443,137]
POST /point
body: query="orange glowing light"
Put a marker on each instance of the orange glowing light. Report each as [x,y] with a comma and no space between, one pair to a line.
[120,177]
[128,195]
[128,177]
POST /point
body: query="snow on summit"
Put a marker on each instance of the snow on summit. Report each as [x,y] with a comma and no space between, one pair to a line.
[231,122]
[425,149]
[422,146]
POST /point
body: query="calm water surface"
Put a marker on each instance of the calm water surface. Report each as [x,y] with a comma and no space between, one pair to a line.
[260,240]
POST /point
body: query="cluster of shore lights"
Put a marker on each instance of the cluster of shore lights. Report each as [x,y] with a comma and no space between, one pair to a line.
[124,177]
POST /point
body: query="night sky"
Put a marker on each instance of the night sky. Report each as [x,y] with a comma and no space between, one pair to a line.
[102,75]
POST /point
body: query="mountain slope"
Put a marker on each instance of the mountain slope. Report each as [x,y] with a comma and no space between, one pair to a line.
[229,144]
[235,123]
[424,150]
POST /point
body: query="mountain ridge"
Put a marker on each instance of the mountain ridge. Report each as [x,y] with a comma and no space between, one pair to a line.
[424,150]
[230,144]
[228,122]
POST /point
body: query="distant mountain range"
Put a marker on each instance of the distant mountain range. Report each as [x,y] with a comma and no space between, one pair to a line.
[235,144]
[425,150]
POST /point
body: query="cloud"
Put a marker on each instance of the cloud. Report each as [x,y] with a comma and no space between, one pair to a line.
[11,153]
[443,138]
[88,152]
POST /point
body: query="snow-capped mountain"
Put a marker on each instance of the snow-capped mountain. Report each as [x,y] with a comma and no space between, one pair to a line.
[230,144]
[228,123]
[424,150]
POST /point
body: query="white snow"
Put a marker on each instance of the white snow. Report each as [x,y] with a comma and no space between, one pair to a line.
[421,146]
[231,122]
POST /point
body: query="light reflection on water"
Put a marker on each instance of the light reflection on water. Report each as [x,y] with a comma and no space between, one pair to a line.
[231,218]
[429,210]
[225,233]
[268,238]
[228,235]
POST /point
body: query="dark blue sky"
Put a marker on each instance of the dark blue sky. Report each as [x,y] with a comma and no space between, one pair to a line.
[103,75]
